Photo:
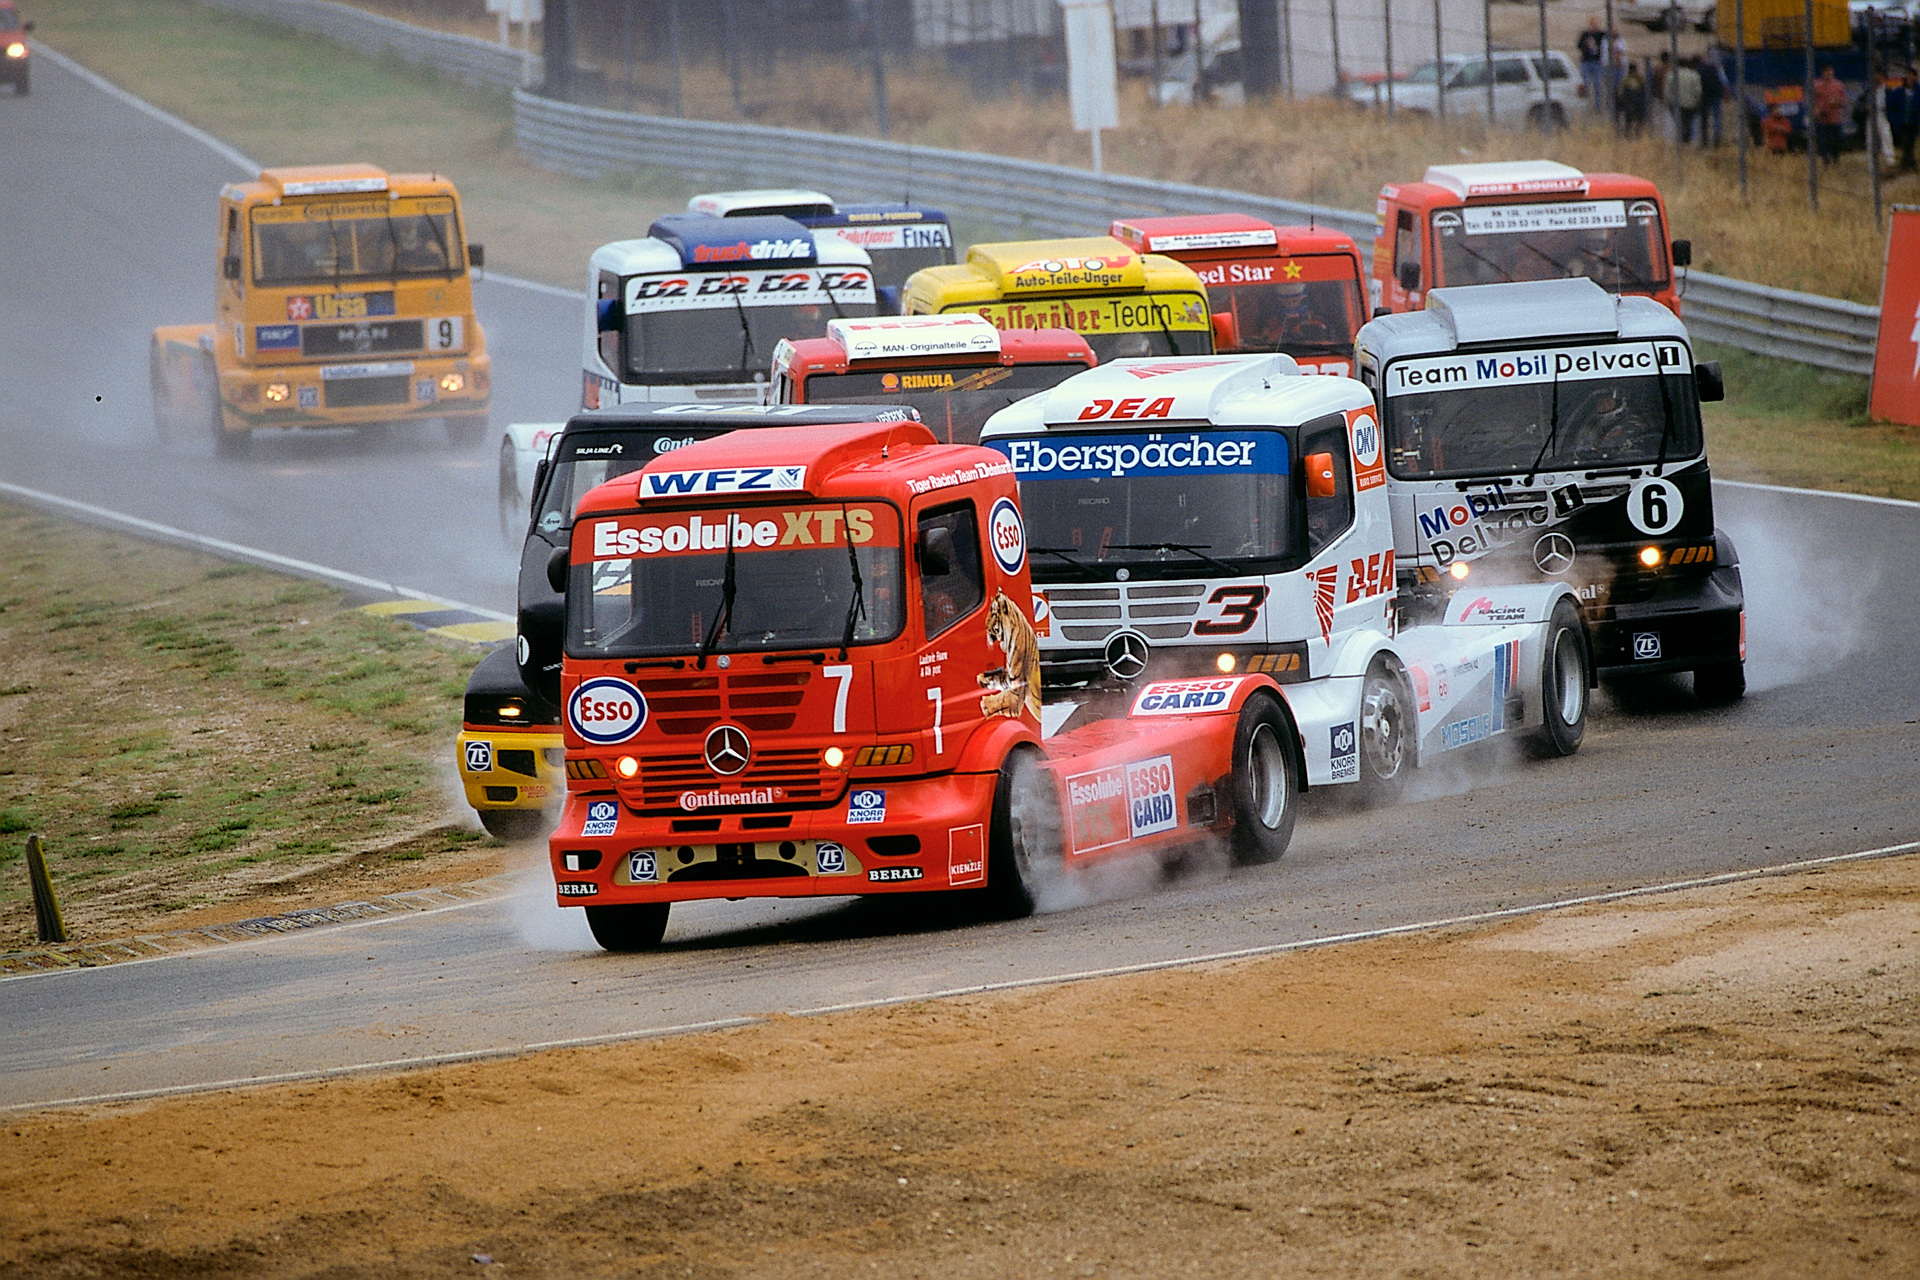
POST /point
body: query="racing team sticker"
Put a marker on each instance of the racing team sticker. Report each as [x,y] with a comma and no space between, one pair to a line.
[606,710]
[1008,536]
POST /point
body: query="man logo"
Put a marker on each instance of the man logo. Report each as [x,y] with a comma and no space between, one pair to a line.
[728,750]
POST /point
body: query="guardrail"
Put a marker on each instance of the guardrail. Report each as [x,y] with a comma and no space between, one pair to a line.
[1015,197]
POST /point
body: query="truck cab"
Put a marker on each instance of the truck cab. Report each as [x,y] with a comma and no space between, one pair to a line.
[693,310]
[343,298]
[1551,431]
[1297,290]
[956,370]
[1517,220]
[1124,303]
[899,237]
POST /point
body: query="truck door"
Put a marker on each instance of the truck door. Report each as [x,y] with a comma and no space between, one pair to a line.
[953,656]
[230,292]
[1409,276]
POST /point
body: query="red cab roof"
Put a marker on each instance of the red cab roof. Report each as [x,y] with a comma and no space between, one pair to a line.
[798,357]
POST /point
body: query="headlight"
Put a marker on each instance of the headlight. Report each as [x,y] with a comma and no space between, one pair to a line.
[1458,568]
[1225,662]
[17,49]
[1650,556]
[833,756]
[626,766]
[277,392]
[451,382]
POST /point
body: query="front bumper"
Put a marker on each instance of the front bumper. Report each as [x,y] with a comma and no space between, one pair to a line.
[296,396]
[510,768]
[922,834]
[1686,623]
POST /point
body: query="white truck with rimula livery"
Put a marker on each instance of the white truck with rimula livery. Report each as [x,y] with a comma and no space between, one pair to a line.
[1207,518]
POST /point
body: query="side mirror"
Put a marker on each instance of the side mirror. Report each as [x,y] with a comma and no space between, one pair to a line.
[1380,311]
[1407,276]
[1321,481]
[936,552]
[1683,253]
[607,315]
[1226,332]
[1708,381]
[557,566]
[230,266]
[539,479]
[476,255]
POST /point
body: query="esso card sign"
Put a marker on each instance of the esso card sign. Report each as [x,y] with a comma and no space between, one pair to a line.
[1150,805]
[1185,697]
[606,710]
[1121,802]
[1008,535]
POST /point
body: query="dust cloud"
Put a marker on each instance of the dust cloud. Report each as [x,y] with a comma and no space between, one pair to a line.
[1803,617]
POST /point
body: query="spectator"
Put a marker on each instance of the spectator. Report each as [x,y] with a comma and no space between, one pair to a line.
[1687,96]
[1659,95]
[1776,130]
[1593,63]
[1713,92]
[1632,102]
[1829,113]
[1901,105]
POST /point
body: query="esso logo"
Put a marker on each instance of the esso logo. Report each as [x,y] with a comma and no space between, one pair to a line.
[1008,536]
[1366,440]
[605,710]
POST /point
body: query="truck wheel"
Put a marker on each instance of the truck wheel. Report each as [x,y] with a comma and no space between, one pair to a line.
[513,504]
[157,383]
[513,824]
[1386,744]
[226,444]
[634,926]
[1023,848]
[1565,677]
[1266,778]
[1719,683]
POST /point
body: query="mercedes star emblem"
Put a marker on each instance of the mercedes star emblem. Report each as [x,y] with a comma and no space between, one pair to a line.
[1126,655]
[1553,554]
[728,750]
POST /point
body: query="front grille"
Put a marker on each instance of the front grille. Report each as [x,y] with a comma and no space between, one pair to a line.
[798,773]
[365,337]
[354,393]
[1091,614]
[764,702]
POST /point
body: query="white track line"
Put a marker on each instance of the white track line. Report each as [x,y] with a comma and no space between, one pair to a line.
[234,550]
[1820,493]
[1184,962]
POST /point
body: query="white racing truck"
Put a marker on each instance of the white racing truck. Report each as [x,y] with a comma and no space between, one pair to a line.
[1202,519]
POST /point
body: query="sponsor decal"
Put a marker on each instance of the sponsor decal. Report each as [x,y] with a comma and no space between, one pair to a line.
[1246,239]
[631,536]
[1150,802]
[1654,506]
[667,484]
[930,236]
[1481,609]
[299,307]
[309,397]
[960,475]
[642,866]
[1234,273]
[424,391]
[692,800]
[1369,577]
[479,757]
[867,805]
[1462,732]
[1474,523]
[606,710]
[1042,615]
[276,337]
[576,888]
[1369,466]
[1421,691]
[1161,370]
[348,372]
[1324,579]
[602,817]
[1643,210]
[1121,802]
[1514,368]
[799,286]
[1646,645]
[1179,697]
[831,858]
[1513,219]
[1134,407]
[1506,675]
[1126,313]
[1007,535]
[914,336]
[752,251]
[1344,752]
[967,855]
[883,875]
[1192,453]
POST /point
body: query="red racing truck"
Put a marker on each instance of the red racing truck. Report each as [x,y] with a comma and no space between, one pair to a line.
[1297,290]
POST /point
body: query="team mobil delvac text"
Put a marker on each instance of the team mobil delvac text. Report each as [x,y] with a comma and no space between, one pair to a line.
[1500,367]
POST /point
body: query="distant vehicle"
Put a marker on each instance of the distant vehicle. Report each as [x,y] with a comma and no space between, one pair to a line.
[1775,54]
[15,54]
[1657,16]
[899,237]
[1526,90]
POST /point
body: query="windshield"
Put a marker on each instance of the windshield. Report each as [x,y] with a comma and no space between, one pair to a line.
[1114,325]
[1618,244]
[657,583]
[1568,409]
[333,243]
[1176,498]
[569,481]
[723,328]
[891,267]
[1309,307]
[955,401]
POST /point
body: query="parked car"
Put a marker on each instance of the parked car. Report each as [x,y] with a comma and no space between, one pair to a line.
[1527,89]
[1654,14]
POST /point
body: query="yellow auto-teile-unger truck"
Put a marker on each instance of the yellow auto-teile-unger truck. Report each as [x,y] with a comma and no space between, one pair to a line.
[343,299]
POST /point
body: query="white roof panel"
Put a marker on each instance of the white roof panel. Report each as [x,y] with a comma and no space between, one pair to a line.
[1507,178]
[886,336]
[1527,309]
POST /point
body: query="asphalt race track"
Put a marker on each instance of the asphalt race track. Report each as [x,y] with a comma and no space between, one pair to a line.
[1821,759]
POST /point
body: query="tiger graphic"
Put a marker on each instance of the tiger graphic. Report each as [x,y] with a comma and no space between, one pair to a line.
[1016,685]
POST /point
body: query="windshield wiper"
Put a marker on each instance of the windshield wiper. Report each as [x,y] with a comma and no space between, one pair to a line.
[333,242]
[1066,554]
[1666,410]
[393,239]
[440,237]
[1553,428]
[1471,252]
[746,331]
[856,607]
[1198,552]
[827,289]
[724,615]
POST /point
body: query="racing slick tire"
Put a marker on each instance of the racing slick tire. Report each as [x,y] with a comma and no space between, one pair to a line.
[514,824]
[513,504]
[1566,674]
[226,444]
[1386,745]
[1718,683]
[1024,855]
[631,926]
[1265,783]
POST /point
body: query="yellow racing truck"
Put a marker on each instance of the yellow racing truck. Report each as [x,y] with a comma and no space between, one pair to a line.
[343,299]
[1124,303]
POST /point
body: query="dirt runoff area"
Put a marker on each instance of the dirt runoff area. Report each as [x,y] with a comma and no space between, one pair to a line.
[1714,1082]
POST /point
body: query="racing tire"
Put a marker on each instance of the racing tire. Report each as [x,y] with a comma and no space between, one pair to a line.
[1719,683]
[632,926]
[513,504]
[226,444]
[1024,852]
[157,384]
[1387,746]
[513,825]
[1566,676]
[1265,783]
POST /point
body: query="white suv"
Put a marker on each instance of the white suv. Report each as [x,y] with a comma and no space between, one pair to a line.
[1522,95]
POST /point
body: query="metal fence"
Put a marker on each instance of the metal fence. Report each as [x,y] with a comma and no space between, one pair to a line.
[1015,197]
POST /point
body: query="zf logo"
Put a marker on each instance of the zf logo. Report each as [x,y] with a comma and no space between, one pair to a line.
[479,757]
[1646,644]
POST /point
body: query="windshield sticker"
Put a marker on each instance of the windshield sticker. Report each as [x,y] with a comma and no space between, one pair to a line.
[606,710]
[1196,453]
[1129,313]
[1501,369]
[757,530]
[961,475]
[798,287]
[667,484]
[1509,219]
